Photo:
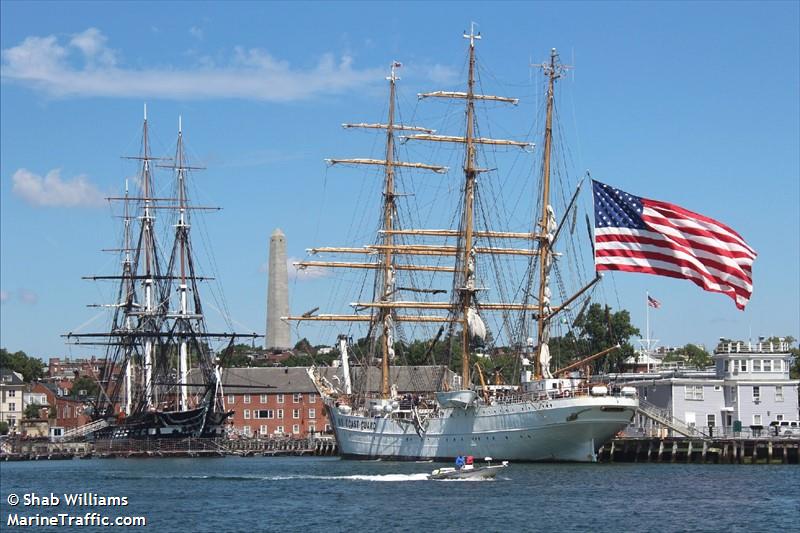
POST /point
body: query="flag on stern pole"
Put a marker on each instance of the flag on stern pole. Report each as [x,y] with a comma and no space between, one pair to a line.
[652,302]
[636,234]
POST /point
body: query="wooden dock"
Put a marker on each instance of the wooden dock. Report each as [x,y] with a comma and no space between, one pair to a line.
[691,450]
[22,449]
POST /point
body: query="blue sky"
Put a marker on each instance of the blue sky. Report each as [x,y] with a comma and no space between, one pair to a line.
[692,103]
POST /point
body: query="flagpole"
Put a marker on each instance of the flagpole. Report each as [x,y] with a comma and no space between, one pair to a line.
[647,313]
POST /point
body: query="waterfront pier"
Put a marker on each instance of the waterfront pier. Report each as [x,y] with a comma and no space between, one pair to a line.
[689,450]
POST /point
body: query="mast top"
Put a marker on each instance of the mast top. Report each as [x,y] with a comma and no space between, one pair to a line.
[554,68]
[145,112]
[393,76]
[180,124]
[472,36]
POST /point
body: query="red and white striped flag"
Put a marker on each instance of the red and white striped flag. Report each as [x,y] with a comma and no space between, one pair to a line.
[636,234]
[652,302]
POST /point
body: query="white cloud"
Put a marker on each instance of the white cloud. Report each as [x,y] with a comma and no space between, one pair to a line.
[86,66]
[93,45]
[305,274]
[442,74]
[52,191]
[196,32]
[27,297]
[300,274]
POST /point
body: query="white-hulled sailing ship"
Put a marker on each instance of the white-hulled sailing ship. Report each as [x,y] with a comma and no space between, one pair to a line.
[549,415]
[158,330]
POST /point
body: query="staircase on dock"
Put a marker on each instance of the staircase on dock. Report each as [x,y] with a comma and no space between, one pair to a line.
[665,418]
[82,431]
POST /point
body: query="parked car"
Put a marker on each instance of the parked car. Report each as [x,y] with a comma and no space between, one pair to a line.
[785,428]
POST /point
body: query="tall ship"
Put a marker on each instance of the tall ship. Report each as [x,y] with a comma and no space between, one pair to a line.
[547,413]
[158,332]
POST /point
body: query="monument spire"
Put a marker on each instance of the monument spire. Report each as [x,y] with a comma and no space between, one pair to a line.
[278,333]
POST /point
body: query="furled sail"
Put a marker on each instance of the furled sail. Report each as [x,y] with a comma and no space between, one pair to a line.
[477,328]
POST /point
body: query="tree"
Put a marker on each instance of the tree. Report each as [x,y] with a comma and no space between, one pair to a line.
[31,368]
[696,356]
[303,346]
[599,329]
[84,384]
[3,428]
[32,411]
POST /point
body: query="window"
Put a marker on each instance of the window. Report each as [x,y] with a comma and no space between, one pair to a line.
[296,414]
[757,365]
[744,366]
[756,394]
[280,414]
[312,428]
[712,420]
[767,365]
[231,399]
[262,429]
[263,398]
[328,428]
[312,413]
[247,431]
[735,366]
[756,420]
[12,393]
[733,394]
[296,429]
[280,398]
[247,414]
[778,417]
[717,388]
[297,397]
[694,392]
[246,398]
[312,398]
[279,430]
[264,413]
[778,393]
[727,365]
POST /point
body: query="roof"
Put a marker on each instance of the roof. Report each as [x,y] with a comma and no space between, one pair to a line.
[9,378]
[271,380]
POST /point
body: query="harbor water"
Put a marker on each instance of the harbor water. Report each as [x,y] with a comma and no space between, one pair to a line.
[251,494]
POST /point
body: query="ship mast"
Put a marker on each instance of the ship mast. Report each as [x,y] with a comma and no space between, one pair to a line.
[543,320]
[467,292]
[148,243]
[385,313]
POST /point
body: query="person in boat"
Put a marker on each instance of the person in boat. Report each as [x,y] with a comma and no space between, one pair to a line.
[460,462]
[470,460]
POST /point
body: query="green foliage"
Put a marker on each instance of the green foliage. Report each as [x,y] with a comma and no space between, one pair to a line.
[303,346]
[598,329]
[84,383]
[31,368]
[695,356]
[3,428]
[32,411]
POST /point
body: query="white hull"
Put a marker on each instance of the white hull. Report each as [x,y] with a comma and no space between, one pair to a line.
[565,429]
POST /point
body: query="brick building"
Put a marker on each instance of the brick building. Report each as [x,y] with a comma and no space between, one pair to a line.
[270,401]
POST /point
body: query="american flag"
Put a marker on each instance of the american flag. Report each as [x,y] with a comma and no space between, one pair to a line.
[636,234]
[652,302]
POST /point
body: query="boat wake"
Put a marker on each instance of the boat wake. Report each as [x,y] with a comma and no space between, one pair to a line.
[353,477]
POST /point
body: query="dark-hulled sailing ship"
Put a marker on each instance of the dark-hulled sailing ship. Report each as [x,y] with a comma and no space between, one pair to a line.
[158,330]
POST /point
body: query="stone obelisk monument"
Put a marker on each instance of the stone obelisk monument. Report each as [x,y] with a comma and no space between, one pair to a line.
[278,331]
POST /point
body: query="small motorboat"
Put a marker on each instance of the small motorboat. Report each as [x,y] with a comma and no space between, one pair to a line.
[466,469]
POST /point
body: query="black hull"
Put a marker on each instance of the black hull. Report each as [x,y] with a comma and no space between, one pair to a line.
[198,423]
